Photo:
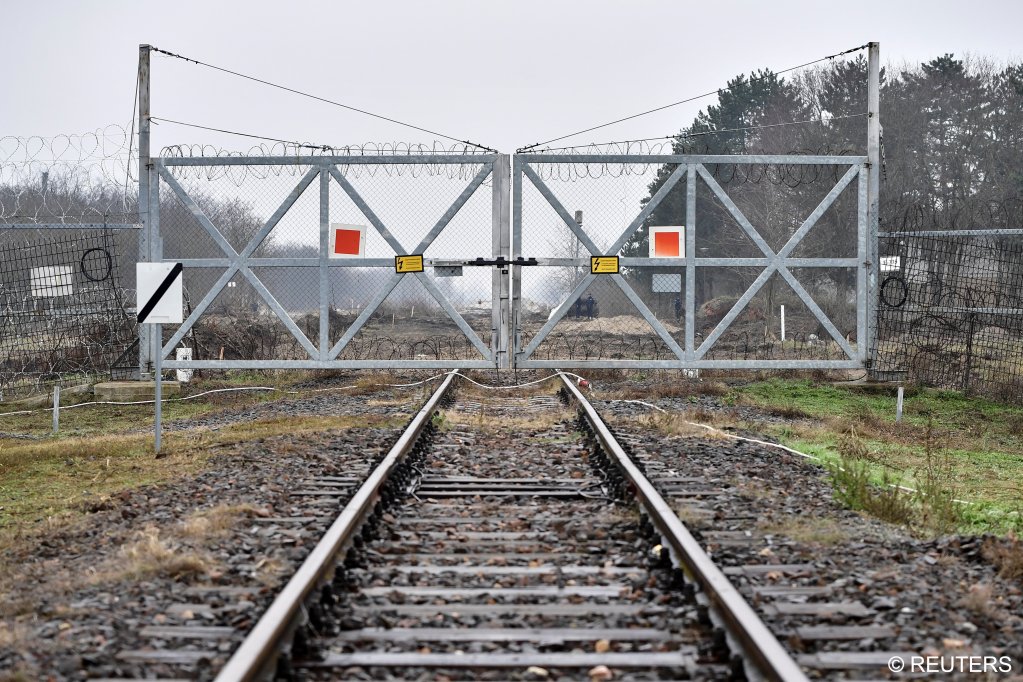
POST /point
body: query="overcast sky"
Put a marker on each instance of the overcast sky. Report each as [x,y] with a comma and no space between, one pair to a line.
[501,73]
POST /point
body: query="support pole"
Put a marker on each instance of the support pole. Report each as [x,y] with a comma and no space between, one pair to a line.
[873,192]
[56,408]
[145,237]
[501,325]
[157,423]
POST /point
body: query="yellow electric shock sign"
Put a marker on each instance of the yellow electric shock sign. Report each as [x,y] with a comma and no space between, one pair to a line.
[603,265]
[408,264]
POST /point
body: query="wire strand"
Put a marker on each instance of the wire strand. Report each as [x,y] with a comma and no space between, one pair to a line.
[687,100]
[318,98]
[295,143]
[684,135]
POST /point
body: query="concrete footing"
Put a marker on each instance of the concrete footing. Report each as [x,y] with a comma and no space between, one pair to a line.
[129,391]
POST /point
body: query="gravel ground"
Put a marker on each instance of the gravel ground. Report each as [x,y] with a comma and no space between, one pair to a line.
[939,596]
[503,438]
[76,602]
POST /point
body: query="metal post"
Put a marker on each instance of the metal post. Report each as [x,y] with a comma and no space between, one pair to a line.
[501,326]
[873,189]
[56,408]
[783,324]
[157,425]
[516,220]
[691,263]
[144,255]
[324,342]
[898,405]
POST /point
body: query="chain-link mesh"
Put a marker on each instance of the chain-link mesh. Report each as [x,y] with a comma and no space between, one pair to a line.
[412,322]
[951,312]
[63,311]
[604,322]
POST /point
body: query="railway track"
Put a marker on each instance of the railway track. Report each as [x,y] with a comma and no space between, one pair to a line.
[481,553]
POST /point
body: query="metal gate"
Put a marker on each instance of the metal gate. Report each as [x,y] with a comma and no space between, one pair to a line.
[559,306]
[259,258]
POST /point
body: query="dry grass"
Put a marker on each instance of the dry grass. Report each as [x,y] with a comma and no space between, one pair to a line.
[217,521]
[685,424]
[1006,554]
[671,388]
[821,531]
[154,556]
[978,600]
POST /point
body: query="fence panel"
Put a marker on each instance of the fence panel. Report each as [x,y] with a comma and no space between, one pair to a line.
[951,310]
[64,311]
[256,236]
[712,253]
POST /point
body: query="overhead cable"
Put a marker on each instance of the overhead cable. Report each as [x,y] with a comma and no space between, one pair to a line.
[318,98]
[718,91]
[685,136]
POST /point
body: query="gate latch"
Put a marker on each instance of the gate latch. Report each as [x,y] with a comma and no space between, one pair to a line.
[501,262]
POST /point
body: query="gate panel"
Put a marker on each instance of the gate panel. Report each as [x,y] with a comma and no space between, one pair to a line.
[740,240]
[254,235]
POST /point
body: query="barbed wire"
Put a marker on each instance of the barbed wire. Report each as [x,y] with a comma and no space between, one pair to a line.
[68,177]
[788,174]
[306,152]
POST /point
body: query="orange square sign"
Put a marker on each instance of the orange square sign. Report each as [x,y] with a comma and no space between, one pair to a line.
[667,241]
[347,241]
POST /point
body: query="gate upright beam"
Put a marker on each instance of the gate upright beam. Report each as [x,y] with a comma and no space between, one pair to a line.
[501,246]
[145,236]
[873,186]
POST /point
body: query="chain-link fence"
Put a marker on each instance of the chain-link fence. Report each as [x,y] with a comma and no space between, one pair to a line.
[763,264]
[258,294]
[63,311]
[951,310]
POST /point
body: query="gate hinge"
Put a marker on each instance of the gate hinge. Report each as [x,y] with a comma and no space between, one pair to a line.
[501,261]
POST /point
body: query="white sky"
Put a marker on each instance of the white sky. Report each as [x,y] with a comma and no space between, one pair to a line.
[501,73]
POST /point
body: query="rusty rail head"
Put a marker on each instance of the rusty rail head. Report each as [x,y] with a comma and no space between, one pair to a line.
[759,645]
[259,650]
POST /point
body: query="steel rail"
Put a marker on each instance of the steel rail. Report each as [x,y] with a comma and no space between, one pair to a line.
[761,647]
[258,651]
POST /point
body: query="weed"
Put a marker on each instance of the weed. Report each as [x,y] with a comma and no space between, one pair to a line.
[935,488]
[1006,554]
[853,488]
[216,521]
[151,555]
[978,600]
[822,531]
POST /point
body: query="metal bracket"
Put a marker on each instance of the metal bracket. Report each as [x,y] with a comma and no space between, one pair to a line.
[502,262]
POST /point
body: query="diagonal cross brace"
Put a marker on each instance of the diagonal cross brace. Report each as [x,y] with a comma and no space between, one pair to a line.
[423,245]
[777,261]
[238,261]
[638,222]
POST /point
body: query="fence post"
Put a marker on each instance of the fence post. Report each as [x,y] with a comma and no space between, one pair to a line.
[145,238]
[873,192]
[56,408]
[501,325]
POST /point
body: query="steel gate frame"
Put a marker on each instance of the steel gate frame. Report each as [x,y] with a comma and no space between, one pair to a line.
[324,355]
[690,167]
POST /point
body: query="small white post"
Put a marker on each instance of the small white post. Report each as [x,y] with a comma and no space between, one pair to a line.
[413,313]
[783,324]
[158,421]
[898,407]
[56,408]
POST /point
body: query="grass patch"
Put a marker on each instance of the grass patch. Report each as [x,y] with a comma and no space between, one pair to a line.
[948,447]
[45,484]
[821,531]
[154,556]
